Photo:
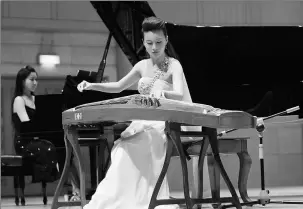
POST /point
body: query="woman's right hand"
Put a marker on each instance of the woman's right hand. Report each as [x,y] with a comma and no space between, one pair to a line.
[84,85]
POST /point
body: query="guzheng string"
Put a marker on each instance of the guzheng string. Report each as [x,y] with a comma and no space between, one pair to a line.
[119,100]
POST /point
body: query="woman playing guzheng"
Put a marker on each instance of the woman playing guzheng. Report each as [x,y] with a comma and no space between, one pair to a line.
[138,156]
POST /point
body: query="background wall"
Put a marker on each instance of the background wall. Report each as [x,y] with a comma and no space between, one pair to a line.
[73,30]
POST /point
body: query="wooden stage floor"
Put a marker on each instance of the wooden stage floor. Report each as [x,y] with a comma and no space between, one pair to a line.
[281,194]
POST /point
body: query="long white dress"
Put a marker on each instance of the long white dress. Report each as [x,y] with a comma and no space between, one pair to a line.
[137,162]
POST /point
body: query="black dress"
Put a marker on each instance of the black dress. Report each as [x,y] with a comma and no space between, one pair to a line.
[39,155]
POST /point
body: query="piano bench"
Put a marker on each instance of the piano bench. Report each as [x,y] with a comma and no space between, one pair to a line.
[227,145]
[11,160]
[12,165]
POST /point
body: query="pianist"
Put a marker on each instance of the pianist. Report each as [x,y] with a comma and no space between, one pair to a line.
[138,156]
[38,154]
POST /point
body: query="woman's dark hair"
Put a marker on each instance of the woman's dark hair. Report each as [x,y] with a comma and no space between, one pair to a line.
[153,24]
[20,78]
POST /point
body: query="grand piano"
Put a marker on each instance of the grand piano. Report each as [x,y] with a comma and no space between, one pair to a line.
[236,68]
[232,68]
[254,69]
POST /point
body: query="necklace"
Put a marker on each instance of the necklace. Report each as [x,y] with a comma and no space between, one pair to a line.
[163,67]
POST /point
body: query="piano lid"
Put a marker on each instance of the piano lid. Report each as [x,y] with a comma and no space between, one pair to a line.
[124,20]
[229,54]
[235,65]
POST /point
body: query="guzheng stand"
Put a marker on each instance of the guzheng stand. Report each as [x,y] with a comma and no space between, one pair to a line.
[174,133]
[169,111]
[264,194]
[70,145]
[74,145]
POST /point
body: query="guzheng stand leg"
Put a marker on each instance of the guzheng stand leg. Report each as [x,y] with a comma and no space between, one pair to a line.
[173,131]
[202,154]
[212,134]
[64,175]
[73,139]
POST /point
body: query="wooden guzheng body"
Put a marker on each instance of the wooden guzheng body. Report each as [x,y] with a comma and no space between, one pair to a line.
[174,113]
[134,108]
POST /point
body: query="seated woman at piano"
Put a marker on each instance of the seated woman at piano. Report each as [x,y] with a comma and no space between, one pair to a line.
[138,156]
[39,154]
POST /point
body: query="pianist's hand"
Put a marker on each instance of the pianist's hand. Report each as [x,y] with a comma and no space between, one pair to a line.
[84,85]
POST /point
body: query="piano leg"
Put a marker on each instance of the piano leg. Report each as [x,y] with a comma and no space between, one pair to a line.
[99,157]
[103,159]
[95,165]
[93,161]
[212,134]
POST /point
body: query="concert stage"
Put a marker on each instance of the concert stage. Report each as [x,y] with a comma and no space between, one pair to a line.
[277,193]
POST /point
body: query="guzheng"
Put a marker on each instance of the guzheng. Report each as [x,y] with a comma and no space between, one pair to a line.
[140,107]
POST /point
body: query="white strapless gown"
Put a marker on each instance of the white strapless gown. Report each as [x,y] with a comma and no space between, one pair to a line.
[137,162]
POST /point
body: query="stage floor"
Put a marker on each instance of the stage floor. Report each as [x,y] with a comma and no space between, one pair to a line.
[281,194]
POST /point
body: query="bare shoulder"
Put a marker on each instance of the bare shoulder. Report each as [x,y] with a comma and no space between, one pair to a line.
[141,63]
[175,65]
[19,100]
[18,103]
[140,66]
